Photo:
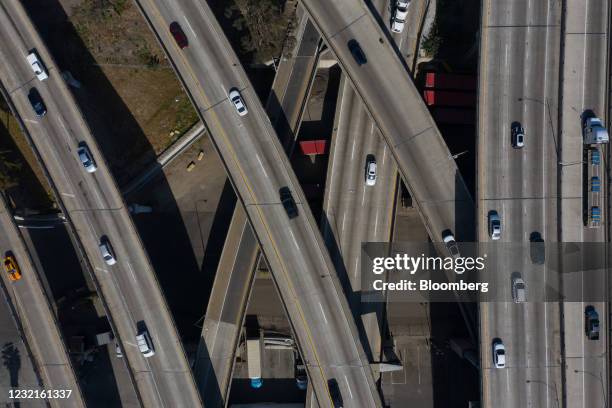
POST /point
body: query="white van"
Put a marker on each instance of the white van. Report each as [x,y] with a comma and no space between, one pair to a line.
[37,66]
[145,345]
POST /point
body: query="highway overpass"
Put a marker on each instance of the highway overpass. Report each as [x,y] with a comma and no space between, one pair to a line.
[37,317]
[354,212]
[95,209]
[392,100]
[258,168]
[236,270]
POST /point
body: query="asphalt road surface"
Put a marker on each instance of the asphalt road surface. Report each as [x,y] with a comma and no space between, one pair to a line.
[236,270]
[586,55]
[259,168]
[355,212]
[519,83]
[394,103]
[37,318]
[97,210]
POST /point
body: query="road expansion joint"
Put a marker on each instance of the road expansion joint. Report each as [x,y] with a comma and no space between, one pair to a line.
[347,26]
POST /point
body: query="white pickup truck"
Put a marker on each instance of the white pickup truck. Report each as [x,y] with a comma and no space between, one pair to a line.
[37,66]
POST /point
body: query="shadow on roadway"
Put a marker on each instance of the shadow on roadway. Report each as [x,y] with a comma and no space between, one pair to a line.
[65,283]
[163,233]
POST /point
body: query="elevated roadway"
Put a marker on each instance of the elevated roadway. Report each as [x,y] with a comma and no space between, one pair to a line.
[235,274]
[357,213]
[519,82]
[258,168]
[396,107]
[95,209]
[585,57]
[37,318]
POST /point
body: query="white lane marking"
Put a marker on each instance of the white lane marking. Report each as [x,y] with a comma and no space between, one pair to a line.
[376,224]
[101,269]
[263,169]
[323,312]
[294,240]
[190,28]
[129,265]
[30,121]
[63,125]
[68,195]
[353,149]
[348,385]
[584,55]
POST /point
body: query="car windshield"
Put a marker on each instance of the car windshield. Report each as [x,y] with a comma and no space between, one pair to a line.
[84,157]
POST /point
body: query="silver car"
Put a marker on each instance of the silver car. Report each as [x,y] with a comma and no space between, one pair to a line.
[107,252]
[495,227]
[518,289]
[236,99]
[86,158]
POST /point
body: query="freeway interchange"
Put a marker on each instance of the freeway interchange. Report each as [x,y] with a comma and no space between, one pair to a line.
[541,67]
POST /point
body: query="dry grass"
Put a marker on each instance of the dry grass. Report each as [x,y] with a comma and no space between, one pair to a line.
[128,54]
[157,102]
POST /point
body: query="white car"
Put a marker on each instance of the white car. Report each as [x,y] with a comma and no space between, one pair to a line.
[370,173]
[37,66]
[86,158]
[145,345]
[399,17]
[451,244]
[107,252]
[236,99]
[499,354]
[495,227]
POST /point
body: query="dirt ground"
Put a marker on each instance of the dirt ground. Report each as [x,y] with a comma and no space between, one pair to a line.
[129,94]
[126,51]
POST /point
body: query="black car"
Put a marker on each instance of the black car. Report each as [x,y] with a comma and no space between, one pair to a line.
[288,202]
[591,323]
[179,35]
[37,103]
[334,392]
[357,52]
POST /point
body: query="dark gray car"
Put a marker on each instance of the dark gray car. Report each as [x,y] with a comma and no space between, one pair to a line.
[288,202]
[37,103]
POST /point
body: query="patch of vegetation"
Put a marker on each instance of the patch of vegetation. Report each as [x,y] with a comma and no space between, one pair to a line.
[262,25]
[432,41]
[115,33]
[20,175]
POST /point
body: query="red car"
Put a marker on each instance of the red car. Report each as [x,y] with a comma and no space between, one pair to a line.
[179,35]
